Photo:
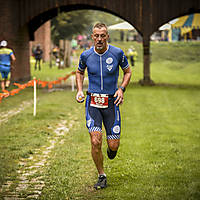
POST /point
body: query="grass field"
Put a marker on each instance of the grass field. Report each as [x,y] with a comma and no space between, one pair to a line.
[48,156]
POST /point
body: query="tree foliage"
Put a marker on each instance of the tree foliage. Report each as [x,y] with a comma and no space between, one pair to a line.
[69,24]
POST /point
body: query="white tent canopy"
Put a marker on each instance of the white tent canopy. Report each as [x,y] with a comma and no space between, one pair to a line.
[165,27]
[121,26]
[168,26]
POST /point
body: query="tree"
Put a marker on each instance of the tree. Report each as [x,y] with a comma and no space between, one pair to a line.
[67,24]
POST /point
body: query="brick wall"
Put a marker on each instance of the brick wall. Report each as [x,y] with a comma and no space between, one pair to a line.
[17,37]
[43,37]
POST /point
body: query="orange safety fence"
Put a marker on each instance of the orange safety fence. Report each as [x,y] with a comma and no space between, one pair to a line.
[30,83]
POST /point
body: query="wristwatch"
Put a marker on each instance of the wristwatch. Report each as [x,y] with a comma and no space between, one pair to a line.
[123,88]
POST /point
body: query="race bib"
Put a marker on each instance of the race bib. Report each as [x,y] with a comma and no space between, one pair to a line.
[99,100]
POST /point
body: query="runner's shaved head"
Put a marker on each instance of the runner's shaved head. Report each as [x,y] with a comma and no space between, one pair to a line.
[100,25]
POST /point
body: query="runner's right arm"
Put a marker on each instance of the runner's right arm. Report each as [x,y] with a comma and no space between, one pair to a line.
[79,85]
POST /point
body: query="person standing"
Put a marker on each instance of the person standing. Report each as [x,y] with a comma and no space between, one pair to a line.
[6,57]
[103,96]
[38,56]
[132,54]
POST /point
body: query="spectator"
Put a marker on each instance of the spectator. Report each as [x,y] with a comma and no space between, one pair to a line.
[38,56]
[56,52]
[74,44]
[6,56]
[132,55]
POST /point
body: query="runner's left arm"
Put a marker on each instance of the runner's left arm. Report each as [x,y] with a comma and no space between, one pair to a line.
[13,58]
[119,93]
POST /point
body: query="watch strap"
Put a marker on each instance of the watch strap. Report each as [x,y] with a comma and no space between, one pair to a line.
[123,88]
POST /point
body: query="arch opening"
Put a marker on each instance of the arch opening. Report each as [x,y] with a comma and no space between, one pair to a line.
[110,19]
[40,19]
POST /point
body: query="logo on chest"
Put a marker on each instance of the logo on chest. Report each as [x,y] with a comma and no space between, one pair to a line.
[109,62]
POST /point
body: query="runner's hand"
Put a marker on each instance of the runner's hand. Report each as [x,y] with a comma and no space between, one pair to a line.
[80,97]
[120,97]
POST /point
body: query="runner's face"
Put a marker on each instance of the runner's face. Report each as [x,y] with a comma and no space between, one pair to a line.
[100,37]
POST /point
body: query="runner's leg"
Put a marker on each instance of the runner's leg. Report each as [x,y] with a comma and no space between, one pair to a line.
[2,85]
[113,144]
[96,151]
[112,123]
[3,82]
[6,83]
[5,79]
[4,74]
[94,125]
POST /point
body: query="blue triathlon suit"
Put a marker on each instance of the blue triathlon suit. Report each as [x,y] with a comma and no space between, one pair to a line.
[103,73]
[5,61]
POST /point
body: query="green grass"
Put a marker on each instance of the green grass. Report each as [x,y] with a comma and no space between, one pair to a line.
[172,63]
[50,74]
[159,154]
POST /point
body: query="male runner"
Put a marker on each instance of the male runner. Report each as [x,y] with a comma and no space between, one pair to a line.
[6,55]
[103,96]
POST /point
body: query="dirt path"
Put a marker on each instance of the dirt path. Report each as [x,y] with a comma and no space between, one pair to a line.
[4,116]
[30,181]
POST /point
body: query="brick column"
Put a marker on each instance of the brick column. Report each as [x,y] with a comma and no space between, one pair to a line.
[18,39]
[20,45]
[146,63]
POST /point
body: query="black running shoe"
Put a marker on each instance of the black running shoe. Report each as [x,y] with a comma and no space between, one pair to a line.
[102,182]
[111,154]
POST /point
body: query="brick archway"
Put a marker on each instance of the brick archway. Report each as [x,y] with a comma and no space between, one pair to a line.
[20,18]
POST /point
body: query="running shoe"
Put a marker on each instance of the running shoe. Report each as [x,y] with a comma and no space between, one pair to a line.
[101,183]
[111,154]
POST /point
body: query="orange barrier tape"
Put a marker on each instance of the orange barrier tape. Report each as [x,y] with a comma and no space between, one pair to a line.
[43,84]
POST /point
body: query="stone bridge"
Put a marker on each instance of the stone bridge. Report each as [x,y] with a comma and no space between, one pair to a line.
[21,18]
